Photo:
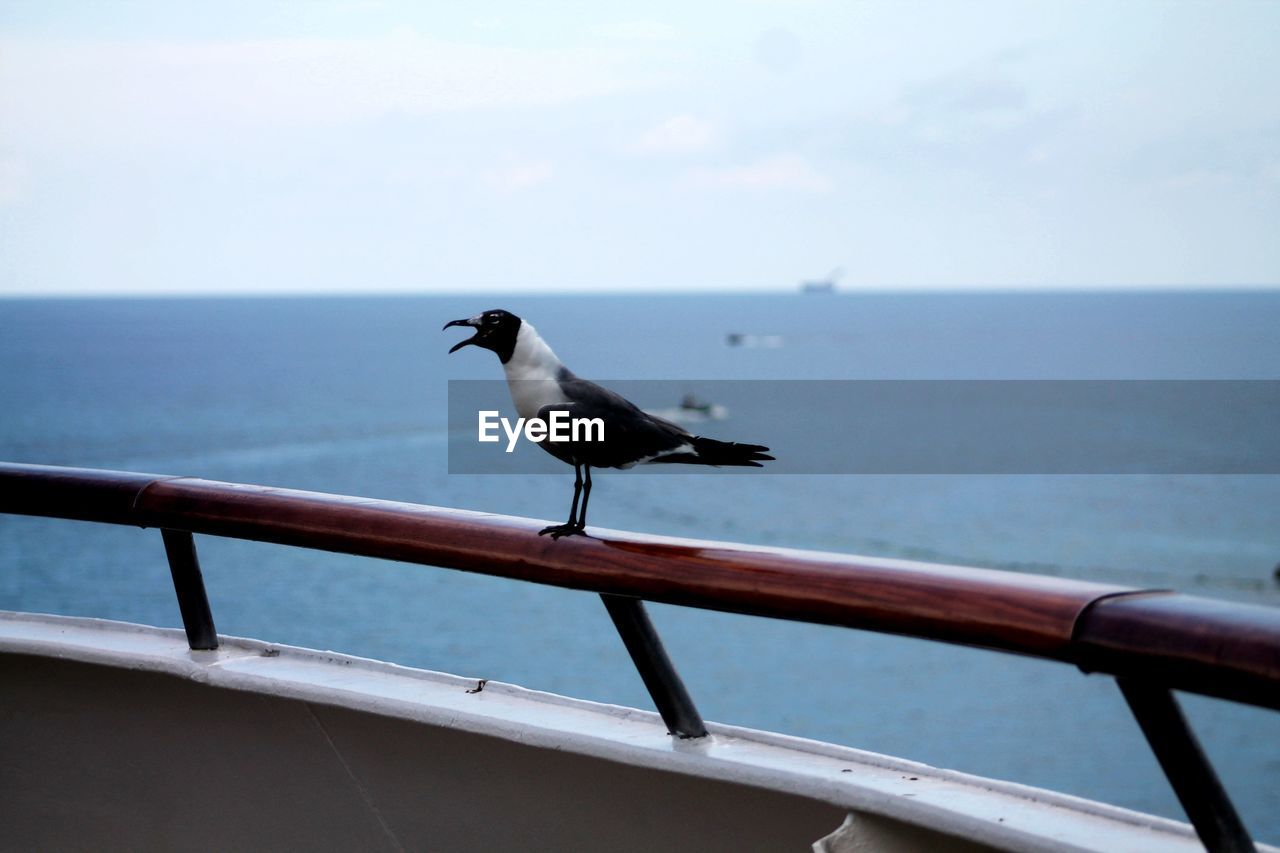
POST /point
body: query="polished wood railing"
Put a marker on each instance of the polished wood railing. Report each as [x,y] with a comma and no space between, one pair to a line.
[1186,642]
[1151,640]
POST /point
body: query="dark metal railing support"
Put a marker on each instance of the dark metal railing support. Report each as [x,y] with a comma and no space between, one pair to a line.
[656,670]
[188,583]
[1192,776]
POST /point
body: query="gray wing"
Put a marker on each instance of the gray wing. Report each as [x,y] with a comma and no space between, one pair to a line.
[630,435]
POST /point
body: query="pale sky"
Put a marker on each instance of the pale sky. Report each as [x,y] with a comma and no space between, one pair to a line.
[349,146]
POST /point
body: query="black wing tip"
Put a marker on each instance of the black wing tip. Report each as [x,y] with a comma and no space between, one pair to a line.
[716,453]
[748,455]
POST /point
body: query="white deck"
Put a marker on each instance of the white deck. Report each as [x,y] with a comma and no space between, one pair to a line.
[257,745]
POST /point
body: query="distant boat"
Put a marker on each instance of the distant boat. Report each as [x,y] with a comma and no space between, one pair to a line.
[692,410]
[738,339]
[823,285]
[692,403]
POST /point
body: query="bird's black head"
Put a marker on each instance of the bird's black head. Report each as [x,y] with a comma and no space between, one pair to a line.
[495,330]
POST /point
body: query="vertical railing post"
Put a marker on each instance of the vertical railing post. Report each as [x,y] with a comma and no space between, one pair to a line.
[656,670]
[188,583]
[1192,776]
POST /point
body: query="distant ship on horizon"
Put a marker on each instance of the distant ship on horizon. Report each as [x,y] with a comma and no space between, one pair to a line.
[823,285]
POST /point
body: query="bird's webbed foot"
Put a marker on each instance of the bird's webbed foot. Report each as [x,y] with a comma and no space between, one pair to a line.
[558,530]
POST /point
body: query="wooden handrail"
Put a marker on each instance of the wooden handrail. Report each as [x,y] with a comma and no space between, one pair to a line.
[1185,642]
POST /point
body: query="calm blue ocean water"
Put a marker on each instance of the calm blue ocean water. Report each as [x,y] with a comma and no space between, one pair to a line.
[348,395]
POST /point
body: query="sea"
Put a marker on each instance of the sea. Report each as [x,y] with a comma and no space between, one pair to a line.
[348,394]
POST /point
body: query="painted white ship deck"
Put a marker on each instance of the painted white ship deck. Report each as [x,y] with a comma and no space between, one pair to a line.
[119,736]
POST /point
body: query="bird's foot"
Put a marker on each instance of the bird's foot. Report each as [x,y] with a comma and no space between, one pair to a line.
[558,530]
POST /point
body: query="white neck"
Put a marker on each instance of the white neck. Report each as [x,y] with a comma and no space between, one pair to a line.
[531,372]
[531,358]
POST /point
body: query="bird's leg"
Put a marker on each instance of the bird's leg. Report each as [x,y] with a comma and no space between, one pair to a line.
[571,526]
[586,495]
[577,490]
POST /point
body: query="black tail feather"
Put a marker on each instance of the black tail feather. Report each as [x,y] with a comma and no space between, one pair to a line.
[709,451]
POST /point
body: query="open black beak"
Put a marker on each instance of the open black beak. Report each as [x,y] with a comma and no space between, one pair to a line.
[461,344]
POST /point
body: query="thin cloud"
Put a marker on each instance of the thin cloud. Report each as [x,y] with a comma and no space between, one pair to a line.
[154,93]
[14,172]
[789,172]
[682,134]
[644,31]
[517,177]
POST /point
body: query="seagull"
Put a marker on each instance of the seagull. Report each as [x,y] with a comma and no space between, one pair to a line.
[540,384]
